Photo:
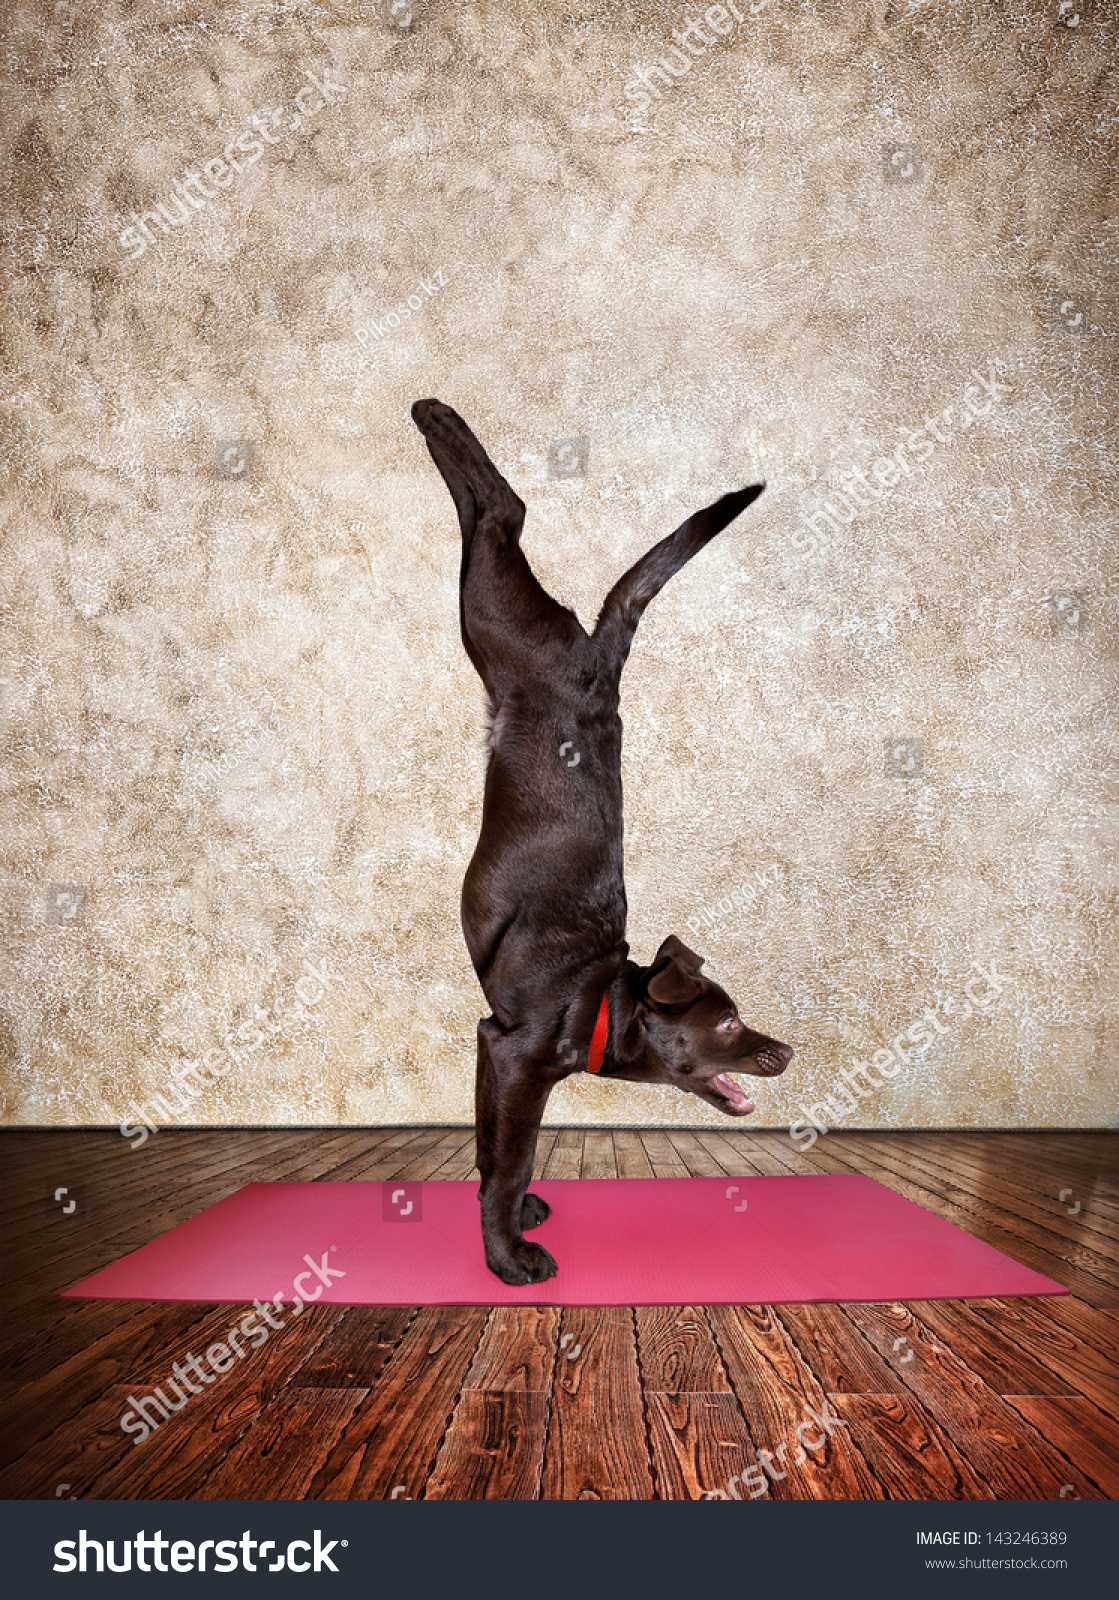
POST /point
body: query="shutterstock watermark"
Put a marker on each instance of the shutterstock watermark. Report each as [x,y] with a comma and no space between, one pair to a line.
[72,1555]
[145,1415]
[841,506]
[755,1476]
[190,194]
[691,43]
[213,1066]
[859,1082]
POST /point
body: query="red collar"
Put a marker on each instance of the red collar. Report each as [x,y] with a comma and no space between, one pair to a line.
[600,1036]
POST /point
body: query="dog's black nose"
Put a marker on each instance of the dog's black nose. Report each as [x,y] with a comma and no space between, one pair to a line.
[785,1051]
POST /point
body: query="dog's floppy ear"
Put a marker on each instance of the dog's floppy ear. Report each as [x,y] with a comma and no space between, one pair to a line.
[677,950]
[673,979]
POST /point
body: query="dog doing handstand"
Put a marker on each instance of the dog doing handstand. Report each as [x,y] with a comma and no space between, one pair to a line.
[544,901]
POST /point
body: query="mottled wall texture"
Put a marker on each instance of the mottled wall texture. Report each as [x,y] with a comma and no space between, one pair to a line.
[650,253]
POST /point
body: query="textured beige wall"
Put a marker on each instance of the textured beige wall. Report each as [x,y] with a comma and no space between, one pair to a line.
[740,279]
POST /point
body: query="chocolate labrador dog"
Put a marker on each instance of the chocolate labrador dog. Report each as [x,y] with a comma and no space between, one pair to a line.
[543,901]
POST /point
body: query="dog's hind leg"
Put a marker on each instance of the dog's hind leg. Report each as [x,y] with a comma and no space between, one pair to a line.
[476,486]
[623,606]
[502,604]
[509,1104]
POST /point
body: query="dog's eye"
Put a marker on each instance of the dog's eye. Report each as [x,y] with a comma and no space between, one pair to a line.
[729,1024]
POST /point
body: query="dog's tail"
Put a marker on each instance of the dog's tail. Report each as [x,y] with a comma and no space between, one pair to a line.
[623,606]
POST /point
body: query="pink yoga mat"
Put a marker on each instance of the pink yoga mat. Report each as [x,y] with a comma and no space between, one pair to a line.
[636,1241]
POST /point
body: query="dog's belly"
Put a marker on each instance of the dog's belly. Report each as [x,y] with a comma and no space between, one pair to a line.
[543,900]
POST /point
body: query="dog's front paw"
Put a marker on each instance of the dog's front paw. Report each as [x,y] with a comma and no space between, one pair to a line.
[533,1212]
[522,1263]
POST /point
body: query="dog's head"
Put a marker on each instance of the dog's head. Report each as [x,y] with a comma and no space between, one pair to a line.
[696,1034]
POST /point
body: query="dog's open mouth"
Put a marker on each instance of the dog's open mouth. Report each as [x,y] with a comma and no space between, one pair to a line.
[737,1100]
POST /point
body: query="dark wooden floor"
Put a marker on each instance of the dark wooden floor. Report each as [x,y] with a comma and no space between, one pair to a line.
[1004,1399]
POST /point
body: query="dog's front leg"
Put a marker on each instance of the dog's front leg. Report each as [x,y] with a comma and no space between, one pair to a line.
[510,1098]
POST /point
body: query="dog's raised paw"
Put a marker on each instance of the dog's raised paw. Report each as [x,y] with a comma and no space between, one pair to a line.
[533,1212]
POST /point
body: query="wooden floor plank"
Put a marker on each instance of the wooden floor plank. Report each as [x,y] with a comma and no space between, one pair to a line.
[1006,1452]
[1086,1369]
[457,1142]
[677,1351]
[78,1450]
[729,1159]
[493,1449]
[698,1435]
[663,1156]
[695,1155]
[596,1447]
[566,1157]
[459,1166]
[80,1326]
[1092,1324]
[840,1359]
[30,1153]
[545,1140]
[152,1342]
[388,1160]
[109,1198]
[394,1438]
[824,1158]
[288,1442]
[517,1350]
[1050,1162]
[910,1456]
[980,1170]
[356,1350]
[779,1394]
[194,1191]
[1085,1436]
[175,1462]
[760,1154]
[114,1166]
[630,1155]
[701,1445]
[992,1170]
[599,1160]
[988,1346]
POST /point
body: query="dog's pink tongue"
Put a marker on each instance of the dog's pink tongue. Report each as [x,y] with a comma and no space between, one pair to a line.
[734,1092]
